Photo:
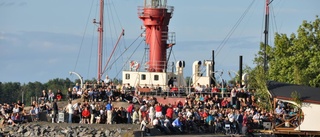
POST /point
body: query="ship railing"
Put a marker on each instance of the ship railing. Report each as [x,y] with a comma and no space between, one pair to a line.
[178,92]
[226,93]
[158,64]
[170,9]
[145,66]
[171,39]
[175,92]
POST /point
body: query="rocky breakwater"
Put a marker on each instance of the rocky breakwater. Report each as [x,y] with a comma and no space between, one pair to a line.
[70,130]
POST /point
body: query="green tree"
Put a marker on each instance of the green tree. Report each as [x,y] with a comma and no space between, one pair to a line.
[257,81]
[296,59]
[32,90]
[58,83]
[10,92]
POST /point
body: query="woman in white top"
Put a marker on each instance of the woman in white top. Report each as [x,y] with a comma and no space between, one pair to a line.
[70,111]
[152,113]
[51,95]
[143,125]
[16,109]
[135,117]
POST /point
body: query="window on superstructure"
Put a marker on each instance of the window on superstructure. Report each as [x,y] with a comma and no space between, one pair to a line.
[156,77]
[143,76]
[127,76]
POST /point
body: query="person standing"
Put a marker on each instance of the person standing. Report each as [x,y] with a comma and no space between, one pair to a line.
[109,112]
[158,111]
[55,110]
[85,115]
[169,112]
[70,111]
[92,112]
[130,112]
[244,128]
[152,113]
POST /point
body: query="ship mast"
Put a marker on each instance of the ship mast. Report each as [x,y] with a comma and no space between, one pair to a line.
[266,33]
[100,40]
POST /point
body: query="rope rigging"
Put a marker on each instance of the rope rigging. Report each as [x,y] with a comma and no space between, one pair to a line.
[225,40]
[83,36]
[130,55]
[116,59]
[112,16]
[114,48]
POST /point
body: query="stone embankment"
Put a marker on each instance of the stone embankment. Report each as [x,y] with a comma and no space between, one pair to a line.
[41,129]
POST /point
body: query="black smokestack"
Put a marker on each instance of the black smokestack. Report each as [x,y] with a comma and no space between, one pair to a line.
[212,79]
[240,71]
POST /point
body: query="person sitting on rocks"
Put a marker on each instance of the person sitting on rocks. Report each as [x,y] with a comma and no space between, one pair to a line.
[85,96]
[143,126]
[50,95]
[42,106]
[34,112]
[135,116]
[11,121]
[20,105]
[48,107]
[44,96]
[59,95]
[2,120]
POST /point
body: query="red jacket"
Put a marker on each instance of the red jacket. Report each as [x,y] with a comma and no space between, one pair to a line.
[130,108]
[174,89]
[158,108]
[169,112]
[85,113]
[224,103]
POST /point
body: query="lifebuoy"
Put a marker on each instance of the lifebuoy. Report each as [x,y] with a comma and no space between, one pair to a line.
[134,65]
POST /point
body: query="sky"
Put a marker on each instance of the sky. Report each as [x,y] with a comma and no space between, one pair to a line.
[46,39]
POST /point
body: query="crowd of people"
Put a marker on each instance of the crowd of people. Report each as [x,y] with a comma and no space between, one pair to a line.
[198,112]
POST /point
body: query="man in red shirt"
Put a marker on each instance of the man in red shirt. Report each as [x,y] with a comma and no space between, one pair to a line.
[224,103]
[85,115]
[129,112]
[169,112]
[158,110]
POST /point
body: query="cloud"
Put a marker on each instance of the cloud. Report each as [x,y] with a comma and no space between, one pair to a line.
[8,4]
[22,3]
[13,3]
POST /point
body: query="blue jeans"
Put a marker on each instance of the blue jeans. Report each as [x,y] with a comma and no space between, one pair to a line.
[129,118]
[70,118]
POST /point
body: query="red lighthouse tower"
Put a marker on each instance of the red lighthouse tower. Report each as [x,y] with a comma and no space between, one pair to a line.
[156,15]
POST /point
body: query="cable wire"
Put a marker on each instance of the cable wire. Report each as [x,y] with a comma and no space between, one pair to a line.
[85,30]
[225,40]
